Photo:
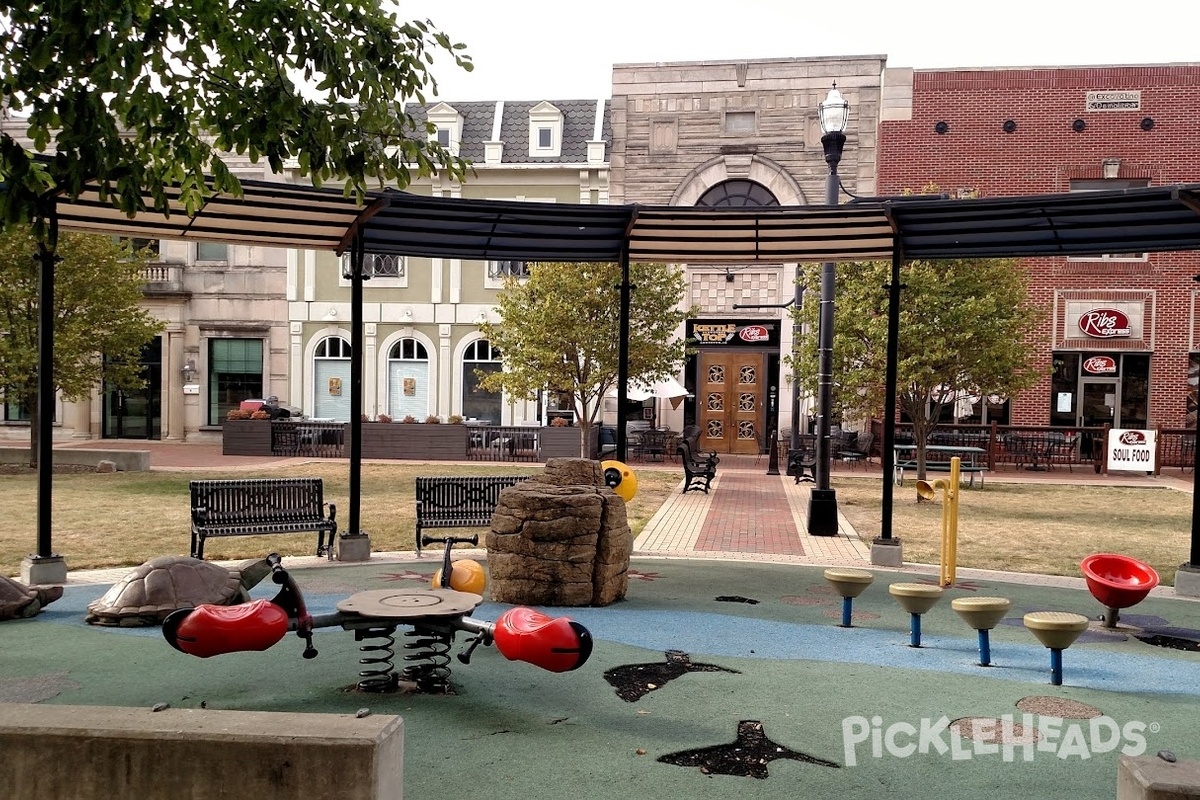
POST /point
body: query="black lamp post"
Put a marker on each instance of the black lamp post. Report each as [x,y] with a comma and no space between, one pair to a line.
[822,506]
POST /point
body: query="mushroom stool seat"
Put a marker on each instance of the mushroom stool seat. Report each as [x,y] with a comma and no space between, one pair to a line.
[982,614]
[1057,630]
[849,583]
[916,599]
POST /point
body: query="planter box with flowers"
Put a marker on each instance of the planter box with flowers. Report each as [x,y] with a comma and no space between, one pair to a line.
[246,433]
[559,440]
[426,441]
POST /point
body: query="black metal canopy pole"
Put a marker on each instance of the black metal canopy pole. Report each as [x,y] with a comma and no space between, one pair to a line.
[358,352]
[1194,558]
[47,257]
[626,289]
[888,455]
[822,504]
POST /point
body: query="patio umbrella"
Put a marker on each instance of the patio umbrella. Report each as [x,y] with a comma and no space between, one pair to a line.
[669,389]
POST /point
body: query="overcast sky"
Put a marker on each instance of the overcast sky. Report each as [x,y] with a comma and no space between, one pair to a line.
[562,50]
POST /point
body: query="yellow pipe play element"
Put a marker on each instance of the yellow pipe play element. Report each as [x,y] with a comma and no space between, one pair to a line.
[949,487]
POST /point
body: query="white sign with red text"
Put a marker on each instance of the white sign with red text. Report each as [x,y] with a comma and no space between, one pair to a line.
[1131,449]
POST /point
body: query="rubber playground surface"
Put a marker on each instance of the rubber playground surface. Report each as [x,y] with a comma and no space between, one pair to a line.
[701,655]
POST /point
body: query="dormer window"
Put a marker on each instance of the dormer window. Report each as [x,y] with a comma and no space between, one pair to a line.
[447,127]
[545,131]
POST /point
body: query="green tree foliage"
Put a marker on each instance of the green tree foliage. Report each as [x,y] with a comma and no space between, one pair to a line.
[137,96]
[963,325]
[559,331]
[98,288]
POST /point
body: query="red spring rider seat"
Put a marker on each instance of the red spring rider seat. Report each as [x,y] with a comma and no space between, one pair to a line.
[1117,582]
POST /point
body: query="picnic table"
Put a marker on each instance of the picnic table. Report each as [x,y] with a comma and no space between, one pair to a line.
[937,459]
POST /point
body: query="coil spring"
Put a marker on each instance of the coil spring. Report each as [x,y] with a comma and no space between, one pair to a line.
[379,675]
[431,670]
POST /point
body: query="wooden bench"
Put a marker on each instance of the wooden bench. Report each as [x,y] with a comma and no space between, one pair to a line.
[970,470]
[698,472]
[257,506]
[459,501]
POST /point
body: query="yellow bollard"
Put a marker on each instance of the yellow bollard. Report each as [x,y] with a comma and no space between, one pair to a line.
[949,487]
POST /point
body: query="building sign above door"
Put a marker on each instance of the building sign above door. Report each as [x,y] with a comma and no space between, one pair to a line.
[1100,365]
[1104,323]
[733,333]
[1128,100]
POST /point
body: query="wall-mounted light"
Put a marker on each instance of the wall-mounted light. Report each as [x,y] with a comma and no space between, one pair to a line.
[941,128]
[189,371]
[1147,123]
[1078,125]
[1009,125]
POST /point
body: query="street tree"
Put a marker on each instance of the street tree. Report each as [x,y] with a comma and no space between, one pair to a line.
[138,97]
[962,333]
[99,328]
[559,331]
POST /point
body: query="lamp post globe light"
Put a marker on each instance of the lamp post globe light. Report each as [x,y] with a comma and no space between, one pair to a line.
[822,506]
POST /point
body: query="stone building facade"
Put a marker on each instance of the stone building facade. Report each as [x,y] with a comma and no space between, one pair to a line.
[729,133]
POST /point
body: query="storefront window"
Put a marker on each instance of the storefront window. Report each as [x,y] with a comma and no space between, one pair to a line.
[478,403]
[1064,388]
[1135,390]
[236,367]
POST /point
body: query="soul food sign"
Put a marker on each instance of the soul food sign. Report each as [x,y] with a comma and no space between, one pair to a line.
[1131,449]
[1104,323]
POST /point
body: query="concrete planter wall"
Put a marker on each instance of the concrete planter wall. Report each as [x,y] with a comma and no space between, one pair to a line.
[414,440]
[246,437]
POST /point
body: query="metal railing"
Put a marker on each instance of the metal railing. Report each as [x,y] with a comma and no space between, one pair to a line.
[503,443]
[307,438]
[1046,447]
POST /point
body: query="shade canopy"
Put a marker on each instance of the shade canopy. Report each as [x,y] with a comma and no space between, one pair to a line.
[273,214]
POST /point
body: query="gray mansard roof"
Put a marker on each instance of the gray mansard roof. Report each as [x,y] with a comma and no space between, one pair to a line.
[579,128]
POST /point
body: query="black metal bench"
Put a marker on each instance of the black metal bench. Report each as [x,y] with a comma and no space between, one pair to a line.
[257,506]
[698,472]
[459,501]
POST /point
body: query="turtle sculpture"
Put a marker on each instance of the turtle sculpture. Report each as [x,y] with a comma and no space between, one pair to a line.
[150,592]
[18,601]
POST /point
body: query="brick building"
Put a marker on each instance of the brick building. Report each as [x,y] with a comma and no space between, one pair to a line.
[1120,340]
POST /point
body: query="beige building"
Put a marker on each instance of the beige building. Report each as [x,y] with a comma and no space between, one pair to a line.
[725,134]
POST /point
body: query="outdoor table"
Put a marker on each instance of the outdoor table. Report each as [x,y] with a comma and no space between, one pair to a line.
[905,456]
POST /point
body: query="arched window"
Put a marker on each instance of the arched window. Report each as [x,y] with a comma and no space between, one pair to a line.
[480,357]
[737,194]
[331,379]
[408,380]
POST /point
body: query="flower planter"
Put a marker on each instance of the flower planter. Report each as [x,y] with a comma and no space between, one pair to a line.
[559,443]
[246,437]
[414,441]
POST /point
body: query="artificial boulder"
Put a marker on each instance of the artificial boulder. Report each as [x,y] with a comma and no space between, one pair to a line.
[560,538]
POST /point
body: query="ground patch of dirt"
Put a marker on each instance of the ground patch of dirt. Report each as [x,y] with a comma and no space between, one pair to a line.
[59,469]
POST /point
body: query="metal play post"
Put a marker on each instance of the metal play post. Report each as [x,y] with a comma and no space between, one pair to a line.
[949,487]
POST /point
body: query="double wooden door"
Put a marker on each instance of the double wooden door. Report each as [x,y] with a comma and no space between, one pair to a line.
[731,406]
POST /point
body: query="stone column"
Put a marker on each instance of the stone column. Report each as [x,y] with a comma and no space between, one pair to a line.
[173,387]
[81,418]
